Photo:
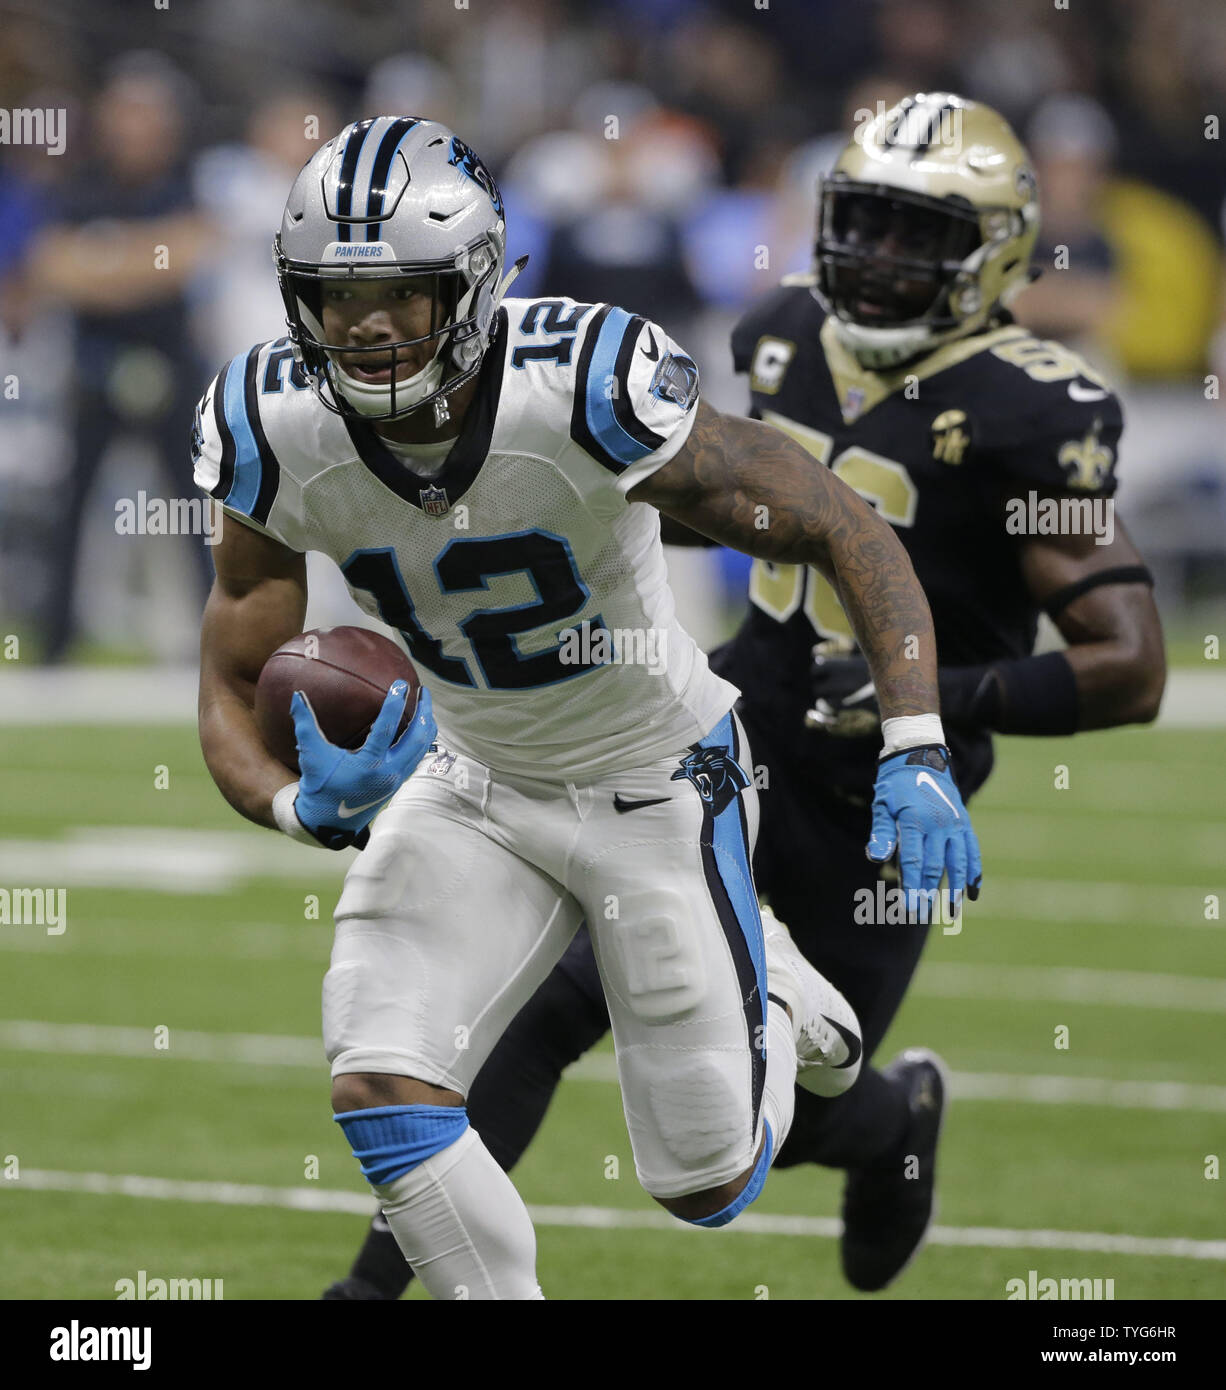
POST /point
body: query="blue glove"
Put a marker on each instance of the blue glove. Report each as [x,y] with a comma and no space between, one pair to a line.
[918,811]
[340,792]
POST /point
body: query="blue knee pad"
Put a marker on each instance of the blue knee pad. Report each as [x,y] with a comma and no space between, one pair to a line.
[392,1140]
[757,1181]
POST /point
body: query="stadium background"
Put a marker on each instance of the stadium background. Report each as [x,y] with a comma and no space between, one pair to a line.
[659,153]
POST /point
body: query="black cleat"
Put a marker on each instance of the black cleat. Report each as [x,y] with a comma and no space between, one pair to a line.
[886,1214]
[352,1290]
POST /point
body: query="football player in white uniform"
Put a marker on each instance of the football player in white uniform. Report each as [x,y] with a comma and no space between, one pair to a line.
[480,469]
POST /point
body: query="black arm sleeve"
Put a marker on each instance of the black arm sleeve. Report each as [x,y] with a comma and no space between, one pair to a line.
[1028,695]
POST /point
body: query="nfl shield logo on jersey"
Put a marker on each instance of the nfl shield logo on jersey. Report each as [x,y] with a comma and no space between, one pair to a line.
[853,403]
[676,380]
[434,501]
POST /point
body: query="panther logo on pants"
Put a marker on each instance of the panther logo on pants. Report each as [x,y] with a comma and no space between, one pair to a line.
[717,775]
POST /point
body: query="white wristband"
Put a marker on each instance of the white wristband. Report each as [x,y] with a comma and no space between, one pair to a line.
[287,818]
[910,731]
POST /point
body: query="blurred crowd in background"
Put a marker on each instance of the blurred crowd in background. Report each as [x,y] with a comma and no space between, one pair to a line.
[661,154]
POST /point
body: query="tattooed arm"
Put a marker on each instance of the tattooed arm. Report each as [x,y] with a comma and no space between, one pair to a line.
[748,486]
[744,484]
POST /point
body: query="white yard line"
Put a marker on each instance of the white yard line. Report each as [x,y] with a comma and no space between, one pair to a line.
[316,1199]
[99,695]
[1108,1092]
[1127,840]
[1073,985]
[1089,902]
[1194,699]
[188,860]
[1110,905]
[169,860]
[105,1040]
[1088,1090]
[268,1049]
[165,860]
[108,937]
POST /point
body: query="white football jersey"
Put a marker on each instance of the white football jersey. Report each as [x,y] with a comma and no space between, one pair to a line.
[531,595]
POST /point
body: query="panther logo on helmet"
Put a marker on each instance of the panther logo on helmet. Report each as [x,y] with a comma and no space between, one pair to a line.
[465,158]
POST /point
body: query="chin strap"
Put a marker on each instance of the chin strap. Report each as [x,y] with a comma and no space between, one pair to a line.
[442,412]
[890,357]
[508,279]
[884,356]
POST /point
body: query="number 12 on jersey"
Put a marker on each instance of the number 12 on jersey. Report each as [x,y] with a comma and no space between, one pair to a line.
[467,565]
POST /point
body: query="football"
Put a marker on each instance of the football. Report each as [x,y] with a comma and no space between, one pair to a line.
[345,672]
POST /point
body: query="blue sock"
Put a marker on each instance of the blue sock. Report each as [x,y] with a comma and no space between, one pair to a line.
[757,1181]
[391,1140]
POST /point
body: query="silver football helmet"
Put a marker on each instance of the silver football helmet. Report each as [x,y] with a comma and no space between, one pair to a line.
[393,197]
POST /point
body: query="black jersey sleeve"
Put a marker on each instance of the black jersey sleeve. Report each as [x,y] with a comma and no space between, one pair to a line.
[745,334]
[780,318]
[1068,451]
[1057,425]
[775,339]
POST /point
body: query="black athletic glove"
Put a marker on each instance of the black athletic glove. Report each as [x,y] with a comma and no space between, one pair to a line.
[844,701]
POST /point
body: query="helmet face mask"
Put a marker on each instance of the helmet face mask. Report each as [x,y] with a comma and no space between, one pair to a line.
[392,204]
[925,228]
[380,387]
[888,258]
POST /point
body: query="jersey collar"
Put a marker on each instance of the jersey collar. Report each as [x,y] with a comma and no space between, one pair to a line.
[436,495]
[858,390]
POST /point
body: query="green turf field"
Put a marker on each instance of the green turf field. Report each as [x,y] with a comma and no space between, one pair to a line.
[1085,1161]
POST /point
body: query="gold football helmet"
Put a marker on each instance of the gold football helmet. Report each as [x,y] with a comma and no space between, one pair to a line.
[925,226]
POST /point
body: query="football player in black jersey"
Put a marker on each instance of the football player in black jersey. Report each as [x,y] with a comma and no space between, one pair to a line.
[898,365]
